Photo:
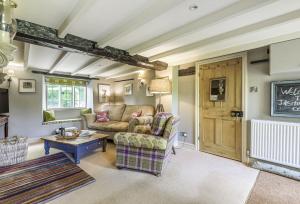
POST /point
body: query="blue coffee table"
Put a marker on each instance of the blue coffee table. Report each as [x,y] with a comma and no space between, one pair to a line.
[77,147]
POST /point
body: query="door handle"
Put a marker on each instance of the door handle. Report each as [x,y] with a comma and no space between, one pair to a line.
[237,114]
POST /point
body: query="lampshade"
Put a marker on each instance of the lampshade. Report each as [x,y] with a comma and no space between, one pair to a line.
[160,86]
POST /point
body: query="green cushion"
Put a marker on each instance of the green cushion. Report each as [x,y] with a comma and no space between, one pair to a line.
[85,111]
[140,140]
[49,115]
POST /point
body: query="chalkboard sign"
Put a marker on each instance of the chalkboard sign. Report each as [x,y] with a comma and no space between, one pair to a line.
[285,98]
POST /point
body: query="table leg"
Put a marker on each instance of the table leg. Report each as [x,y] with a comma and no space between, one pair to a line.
[6,130]
[104,144]
[46,147]
[77,156]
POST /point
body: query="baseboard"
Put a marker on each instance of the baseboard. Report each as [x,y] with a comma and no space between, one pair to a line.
[185,145]
[276,169]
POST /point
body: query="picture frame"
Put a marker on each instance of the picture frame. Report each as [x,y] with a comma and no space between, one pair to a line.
[127,89]
[148,92]
[217,89]
[285,98]
[27,86]
[104,92]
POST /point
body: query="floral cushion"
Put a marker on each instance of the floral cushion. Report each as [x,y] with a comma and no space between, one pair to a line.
[136,114]
[102,116]
[140,141]
[159,123]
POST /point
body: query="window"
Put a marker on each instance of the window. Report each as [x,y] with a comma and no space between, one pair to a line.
[65,96]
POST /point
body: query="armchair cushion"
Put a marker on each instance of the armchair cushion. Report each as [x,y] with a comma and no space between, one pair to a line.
[143,120]
[144,129]
[159,123]
[140,141]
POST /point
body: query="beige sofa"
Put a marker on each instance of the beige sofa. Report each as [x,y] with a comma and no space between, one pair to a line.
[120,117]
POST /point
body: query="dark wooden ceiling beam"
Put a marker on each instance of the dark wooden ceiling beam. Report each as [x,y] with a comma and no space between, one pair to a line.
[48,37]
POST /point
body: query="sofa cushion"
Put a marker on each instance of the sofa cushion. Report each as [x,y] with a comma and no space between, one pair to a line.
[130,109]
[102,116]
[159,123]
[147,110]
[140,141]
[110,126]
[115,111]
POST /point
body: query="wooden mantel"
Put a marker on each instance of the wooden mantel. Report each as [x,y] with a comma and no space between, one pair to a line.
[4,122]
[48,37]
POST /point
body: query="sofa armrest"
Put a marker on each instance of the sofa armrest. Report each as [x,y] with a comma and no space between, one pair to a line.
[90,118]
[144,120]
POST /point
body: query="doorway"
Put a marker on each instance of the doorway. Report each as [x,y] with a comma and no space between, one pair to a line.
[221,107]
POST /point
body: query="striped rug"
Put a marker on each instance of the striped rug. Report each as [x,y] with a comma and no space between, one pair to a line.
[41,180]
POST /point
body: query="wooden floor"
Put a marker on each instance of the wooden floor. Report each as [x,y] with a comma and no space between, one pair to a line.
[273,189]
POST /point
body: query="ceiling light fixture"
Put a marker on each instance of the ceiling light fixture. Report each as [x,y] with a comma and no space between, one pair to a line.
[193,7]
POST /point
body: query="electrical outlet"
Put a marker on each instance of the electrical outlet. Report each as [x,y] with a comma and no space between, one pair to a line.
[183,134]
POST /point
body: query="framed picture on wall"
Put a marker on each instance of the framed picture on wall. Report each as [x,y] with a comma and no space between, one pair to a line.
[217,89]
[103,93]
[127,89]
[27,86]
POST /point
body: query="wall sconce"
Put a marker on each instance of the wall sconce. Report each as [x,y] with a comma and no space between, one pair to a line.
[10,73]
[142,81]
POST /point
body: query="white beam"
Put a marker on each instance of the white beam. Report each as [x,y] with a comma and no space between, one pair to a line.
[118,70]
[230,11]
[105,69]
[152,11]
[123,75]
[59,61]
[238,48]
[92,64]
[231,34]
[80,8]
[26,55]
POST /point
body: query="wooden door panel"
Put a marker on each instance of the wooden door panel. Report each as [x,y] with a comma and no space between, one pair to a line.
[209,128]
[220,133]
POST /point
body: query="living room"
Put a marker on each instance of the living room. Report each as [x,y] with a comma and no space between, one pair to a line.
[173,101]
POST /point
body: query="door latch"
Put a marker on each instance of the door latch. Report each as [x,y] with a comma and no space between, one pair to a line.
[237,114]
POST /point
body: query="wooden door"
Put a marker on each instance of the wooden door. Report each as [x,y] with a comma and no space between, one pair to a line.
[220,94]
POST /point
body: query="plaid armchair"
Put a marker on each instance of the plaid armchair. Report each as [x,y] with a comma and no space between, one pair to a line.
[142,151]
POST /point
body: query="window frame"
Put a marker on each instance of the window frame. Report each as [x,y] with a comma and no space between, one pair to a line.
[73,98]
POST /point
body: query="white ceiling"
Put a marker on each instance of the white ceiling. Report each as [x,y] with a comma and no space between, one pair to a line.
[159,29]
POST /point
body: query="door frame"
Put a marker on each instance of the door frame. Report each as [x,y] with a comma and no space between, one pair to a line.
[243,55]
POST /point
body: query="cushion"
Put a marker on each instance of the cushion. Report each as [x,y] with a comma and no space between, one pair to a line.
[102,116]
[129,110]
[115,111]
[140,141]
[136,114]
[147,110]
[49,115]
[159,123]
[144,129]
[110,126]
[85,111]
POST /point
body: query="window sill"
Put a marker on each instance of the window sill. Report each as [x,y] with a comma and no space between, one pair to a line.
[64,109]
[62,121]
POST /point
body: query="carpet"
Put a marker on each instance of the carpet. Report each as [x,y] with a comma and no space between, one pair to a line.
[273,189]
[41,180]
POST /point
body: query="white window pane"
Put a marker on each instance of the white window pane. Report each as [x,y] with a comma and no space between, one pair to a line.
[53,96]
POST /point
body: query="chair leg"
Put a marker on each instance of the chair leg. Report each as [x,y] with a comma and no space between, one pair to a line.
[173,149]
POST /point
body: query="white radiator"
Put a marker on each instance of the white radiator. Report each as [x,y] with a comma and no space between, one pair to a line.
[277,142]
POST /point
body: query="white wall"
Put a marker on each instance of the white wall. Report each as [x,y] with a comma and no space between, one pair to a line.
[26,109]
[285,57]
[259,103]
